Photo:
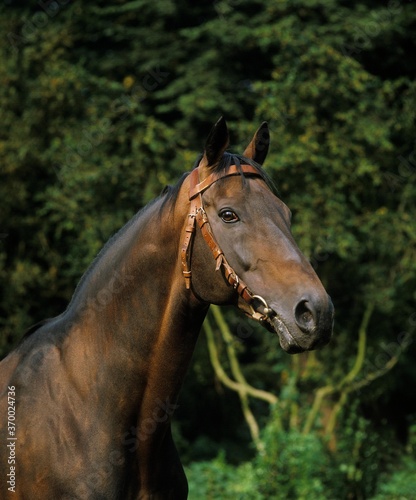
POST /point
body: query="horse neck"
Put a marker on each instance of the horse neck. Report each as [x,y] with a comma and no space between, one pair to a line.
[138,324]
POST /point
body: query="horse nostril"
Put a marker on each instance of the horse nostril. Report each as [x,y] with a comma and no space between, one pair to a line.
[305,317]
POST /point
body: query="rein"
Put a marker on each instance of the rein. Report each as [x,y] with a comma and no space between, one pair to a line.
[198,214]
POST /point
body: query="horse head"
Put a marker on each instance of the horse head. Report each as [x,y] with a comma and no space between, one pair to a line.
[247,229]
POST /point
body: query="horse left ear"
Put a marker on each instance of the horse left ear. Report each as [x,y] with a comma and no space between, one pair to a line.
[259,145]
[216,143]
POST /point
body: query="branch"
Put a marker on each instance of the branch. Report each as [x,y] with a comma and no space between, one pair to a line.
[317,402]
[344,385]
[215,361]
[238,387]
[234,364]
[376,374]
[362,344]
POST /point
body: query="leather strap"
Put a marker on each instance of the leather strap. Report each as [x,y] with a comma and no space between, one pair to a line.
[186,246]
[231,276]
[198,213]
[199,187]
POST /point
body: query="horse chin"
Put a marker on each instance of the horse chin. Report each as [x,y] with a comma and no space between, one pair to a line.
[292,339]
[287,341]
[294,342]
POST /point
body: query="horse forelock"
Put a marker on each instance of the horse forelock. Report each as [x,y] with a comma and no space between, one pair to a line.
[170,193]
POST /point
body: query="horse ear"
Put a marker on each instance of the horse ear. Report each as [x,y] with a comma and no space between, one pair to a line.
[259,145]
[216,143]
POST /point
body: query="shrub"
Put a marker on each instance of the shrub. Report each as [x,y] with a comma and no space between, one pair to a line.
[295,466]
[217,480]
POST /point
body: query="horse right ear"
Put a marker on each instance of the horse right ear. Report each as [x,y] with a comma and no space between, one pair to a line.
[216,143]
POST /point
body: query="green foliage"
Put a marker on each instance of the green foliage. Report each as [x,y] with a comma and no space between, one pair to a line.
[360,455]
[217,479]
[293,466]
[401,485]
[298,466]
[399,482]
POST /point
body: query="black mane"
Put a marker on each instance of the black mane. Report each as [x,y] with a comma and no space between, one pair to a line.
[168,196]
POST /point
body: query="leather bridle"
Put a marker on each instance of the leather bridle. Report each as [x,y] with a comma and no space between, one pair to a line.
[259,309]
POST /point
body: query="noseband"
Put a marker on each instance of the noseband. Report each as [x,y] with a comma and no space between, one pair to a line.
[197,213]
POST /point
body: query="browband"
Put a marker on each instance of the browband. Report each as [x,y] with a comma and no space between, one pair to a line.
[199,187]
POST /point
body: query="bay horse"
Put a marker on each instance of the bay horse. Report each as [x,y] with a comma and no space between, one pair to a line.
[86,398]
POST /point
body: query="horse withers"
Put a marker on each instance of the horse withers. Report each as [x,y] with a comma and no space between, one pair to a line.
[86,398]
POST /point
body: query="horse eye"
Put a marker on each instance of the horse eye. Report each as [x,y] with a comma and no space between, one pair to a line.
[228,216]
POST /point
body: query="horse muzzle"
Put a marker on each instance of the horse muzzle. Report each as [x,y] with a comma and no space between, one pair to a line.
[308,327]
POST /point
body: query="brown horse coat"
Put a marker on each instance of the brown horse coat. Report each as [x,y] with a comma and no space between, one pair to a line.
[87,397]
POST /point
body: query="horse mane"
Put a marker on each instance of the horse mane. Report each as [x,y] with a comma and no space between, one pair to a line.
[169,196]
[117,235]
[34,328]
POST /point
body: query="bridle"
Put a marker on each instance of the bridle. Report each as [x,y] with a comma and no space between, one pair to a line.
[258,307]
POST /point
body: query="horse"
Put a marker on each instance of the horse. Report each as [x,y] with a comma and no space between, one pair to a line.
[87,397]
